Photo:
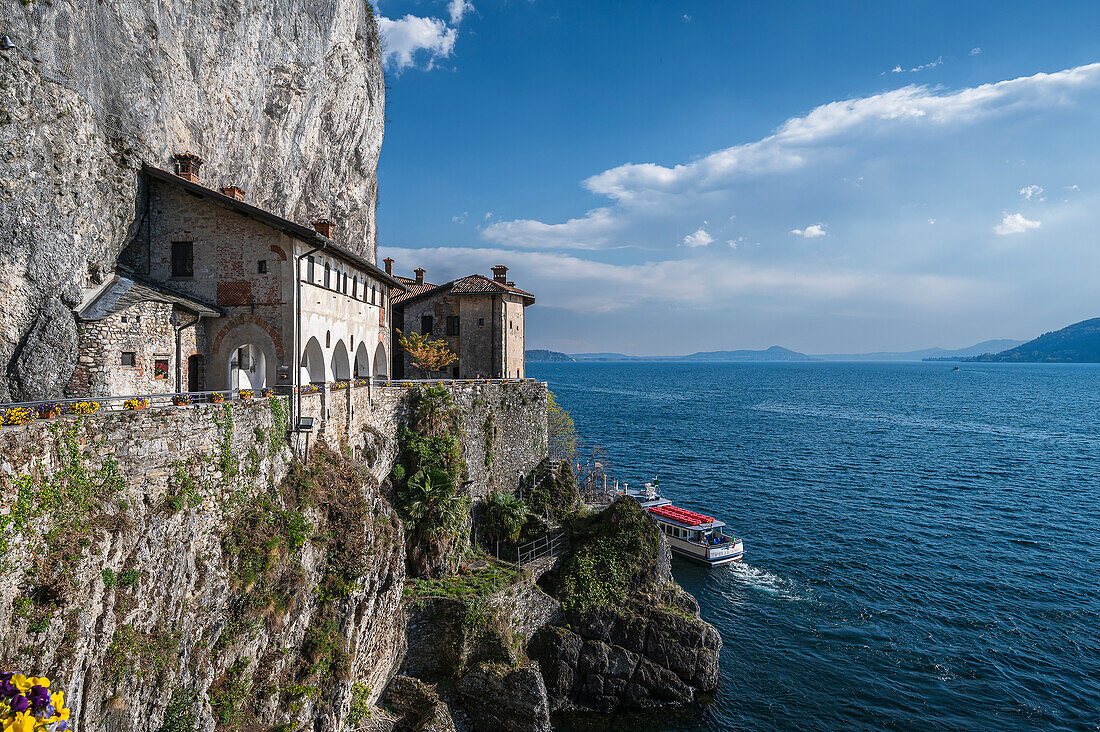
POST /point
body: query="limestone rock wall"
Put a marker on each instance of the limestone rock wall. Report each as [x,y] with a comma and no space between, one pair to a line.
[284,99]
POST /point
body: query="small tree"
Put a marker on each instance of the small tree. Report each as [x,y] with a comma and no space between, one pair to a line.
[426,354]
[560,430]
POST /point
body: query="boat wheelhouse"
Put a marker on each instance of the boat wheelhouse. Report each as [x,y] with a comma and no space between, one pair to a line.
[692,535]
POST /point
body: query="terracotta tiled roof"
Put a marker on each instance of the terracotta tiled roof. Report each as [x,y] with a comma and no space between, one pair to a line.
[474,284]
[411,289]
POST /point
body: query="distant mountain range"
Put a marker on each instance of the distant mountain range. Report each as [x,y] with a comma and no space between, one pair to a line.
[1077,343]
[926,354]
[778,353]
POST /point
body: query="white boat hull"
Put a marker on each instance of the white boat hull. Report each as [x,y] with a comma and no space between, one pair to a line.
[713,555]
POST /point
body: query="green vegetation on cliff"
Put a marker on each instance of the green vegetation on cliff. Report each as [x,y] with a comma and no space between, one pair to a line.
[1077,343]
[428,484]
[613,552]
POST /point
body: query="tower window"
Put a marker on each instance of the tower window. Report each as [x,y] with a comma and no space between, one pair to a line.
[261,266]
[452,325]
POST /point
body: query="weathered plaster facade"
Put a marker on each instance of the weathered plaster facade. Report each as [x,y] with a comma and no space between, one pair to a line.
[237,264]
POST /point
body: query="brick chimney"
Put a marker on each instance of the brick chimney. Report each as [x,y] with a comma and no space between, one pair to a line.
[389,265]
[187,166]
[500,273]
[233,192]
[323,227]
[419,272]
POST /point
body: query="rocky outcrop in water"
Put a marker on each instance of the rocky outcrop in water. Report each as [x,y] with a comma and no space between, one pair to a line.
[283,99]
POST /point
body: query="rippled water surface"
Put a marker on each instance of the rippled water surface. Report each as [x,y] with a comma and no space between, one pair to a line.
[921,543]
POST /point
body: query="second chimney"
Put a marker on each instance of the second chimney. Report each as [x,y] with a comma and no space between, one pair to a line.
[389,265]
[187,166]
[419,272]
[323,227]
[500,273]
[233,192]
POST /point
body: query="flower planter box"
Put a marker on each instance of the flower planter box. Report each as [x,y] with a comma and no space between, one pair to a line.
[246,394]
[217,398]
[48,411]
[182,401]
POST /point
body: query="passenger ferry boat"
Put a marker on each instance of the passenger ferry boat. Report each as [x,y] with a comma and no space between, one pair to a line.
[692,535]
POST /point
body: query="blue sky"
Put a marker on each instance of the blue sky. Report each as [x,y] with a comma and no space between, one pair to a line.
[683,176]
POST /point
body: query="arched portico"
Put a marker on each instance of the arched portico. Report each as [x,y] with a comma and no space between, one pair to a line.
[381,362]
[340,365]
[313,369]
[362,362]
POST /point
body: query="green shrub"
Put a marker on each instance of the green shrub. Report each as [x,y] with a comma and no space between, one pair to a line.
[504,516]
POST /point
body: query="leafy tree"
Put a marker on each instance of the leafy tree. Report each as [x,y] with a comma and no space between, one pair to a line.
[504,516]
[561,431]
[426,354]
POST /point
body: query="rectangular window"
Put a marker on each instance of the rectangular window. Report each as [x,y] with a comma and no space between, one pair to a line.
[129,358]
[242,358]
[426,324]
[372,294]
[452,325]
[311,266]
[160,367]
[481,322]
[328,276]
[261,266]
[183,259]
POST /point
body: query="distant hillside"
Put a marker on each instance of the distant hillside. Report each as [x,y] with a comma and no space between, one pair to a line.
[1077,343]
[775,353]
[926,354]
[536,355]
[605,357]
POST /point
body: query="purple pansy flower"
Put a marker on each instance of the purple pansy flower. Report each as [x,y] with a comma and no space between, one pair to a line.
[20,703]
[39,697]
[6,675]
[8,689]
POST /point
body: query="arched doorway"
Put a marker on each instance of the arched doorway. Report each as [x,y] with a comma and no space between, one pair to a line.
[381,363]
[362,362]
[247,367]
[340,364]
[313,364]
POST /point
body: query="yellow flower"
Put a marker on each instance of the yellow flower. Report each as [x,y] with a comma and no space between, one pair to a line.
[22,683]
[21,722]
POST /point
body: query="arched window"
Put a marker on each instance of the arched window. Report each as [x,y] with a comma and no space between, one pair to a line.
[344,289]
[328,277]
[373,294]
[355,287]
[328,338]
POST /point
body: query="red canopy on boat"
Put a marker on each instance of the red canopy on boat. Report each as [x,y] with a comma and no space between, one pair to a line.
[682,515]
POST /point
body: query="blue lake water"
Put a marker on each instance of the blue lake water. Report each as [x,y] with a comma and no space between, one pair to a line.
[921,544]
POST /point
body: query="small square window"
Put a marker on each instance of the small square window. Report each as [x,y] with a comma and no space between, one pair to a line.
[129,358]
[261,266]
[183,259]
[123,318]
[481,322]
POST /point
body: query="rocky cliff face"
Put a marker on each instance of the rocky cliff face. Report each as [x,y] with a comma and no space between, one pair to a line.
[284,99]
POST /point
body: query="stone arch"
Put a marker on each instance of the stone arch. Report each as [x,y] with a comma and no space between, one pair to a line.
[340,364]
[381,362]
[278,251]
[232,323]
[313,370]
[362,362]
[244,356]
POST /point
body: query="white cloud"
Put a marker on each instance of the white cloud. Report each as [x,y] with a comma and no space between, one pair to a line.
[1030,192]
[1015,224]
[975,51]
[810,232]
[930,65]
[1073,187]
[931,221]
[460,218]
[593,231]
[686,18]
[457,9]
[699,238]
[583,286]
[799,139]
[407,38]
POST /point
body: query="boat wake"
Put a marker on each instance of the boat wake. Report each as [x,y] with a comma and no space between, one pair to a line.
[745,576]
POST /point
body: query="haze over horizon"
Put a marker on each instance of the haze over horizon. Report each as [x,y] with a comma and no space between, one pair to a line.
[709,176]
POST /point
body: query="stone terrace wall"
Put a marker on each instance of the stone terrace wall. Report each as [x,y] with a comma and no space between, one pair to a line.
[503,424]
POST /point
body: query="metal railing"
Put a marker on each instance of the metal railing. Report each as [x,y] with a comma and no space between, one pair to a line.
[550,544]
